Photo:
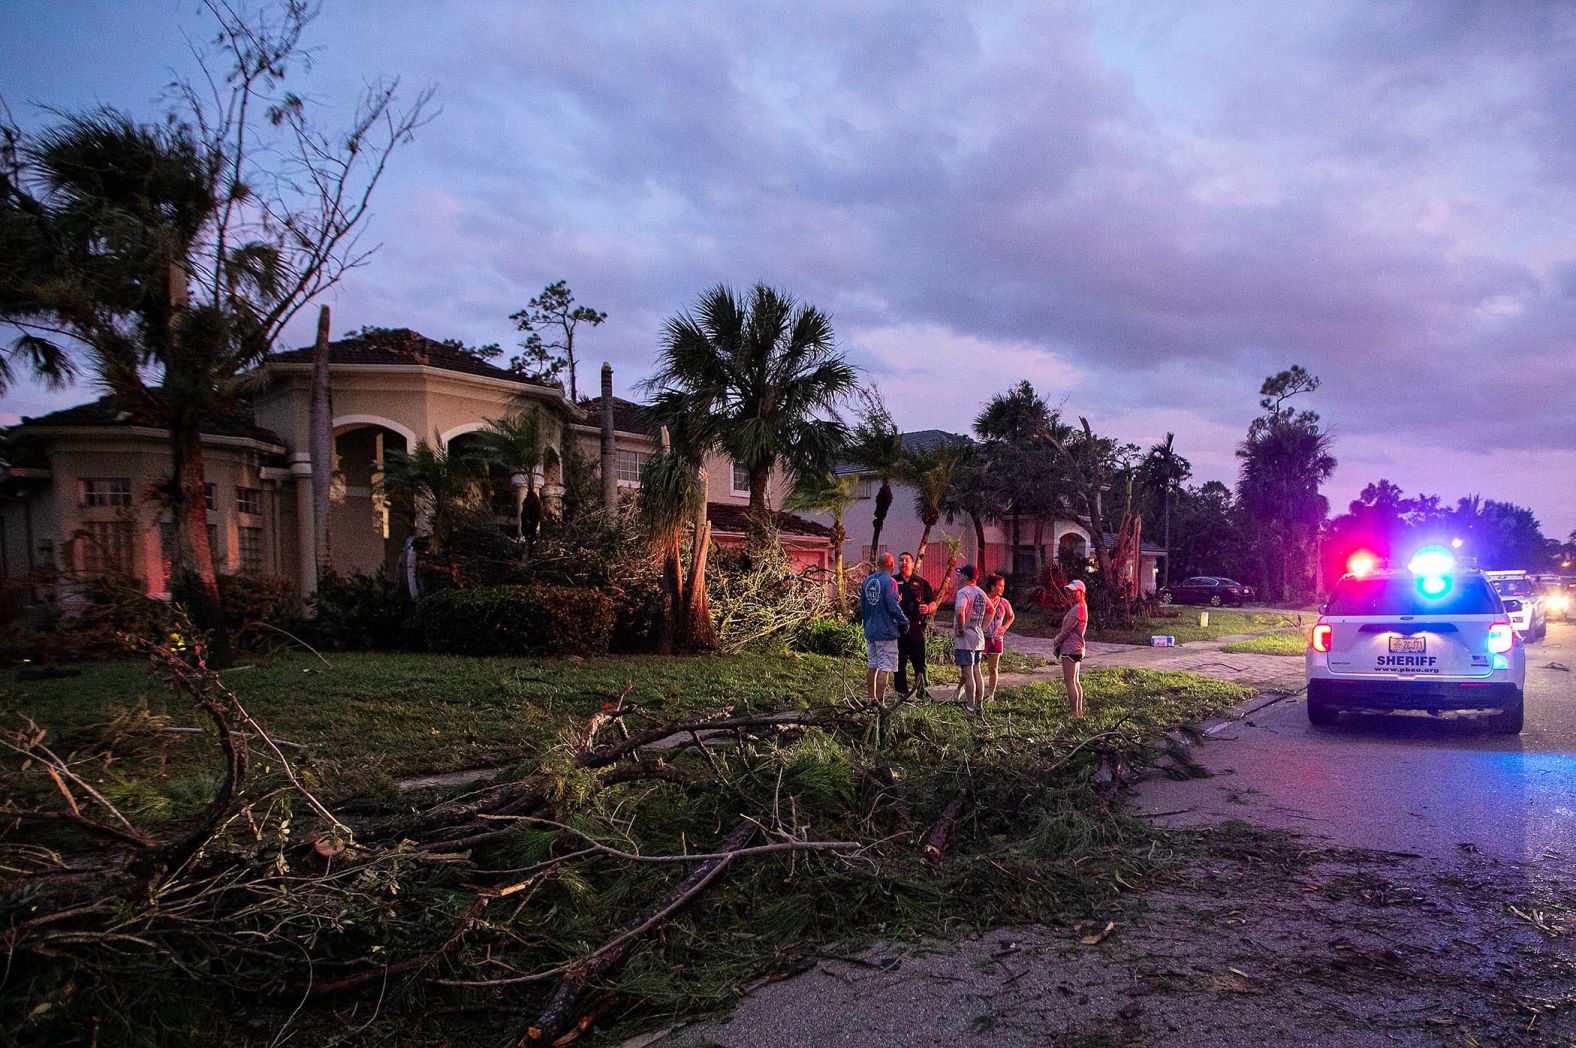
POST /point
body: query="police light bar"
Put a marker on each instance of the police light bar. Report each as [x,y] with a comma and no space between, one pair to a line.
[1432,561]
[1362,563]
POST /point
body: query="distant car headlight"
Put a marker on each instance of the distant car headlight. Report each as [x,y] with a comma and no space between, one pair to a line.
[1559,602]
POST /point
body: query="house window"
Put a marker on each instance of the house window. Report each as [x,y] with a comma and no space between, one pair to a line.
[867,488]
[210,496]
[249,500]
[106,491]
[249,542]
[107,547]
[741,480]
[628,464]
[214,549]
[167,551]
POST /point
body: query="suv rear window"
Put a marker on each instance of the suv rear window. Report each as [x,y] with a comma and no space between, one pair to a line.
[1513,587]
[1400,596]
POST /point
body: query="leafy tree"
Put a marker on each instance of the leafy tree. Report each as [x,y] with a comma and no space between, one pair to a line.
[174,254]
[1164,471]
[971,495]
[1500,535]
[514,444]
[758,377]
[1206,537]
[433,489]
[1026,476]
[829,493]
[1097,465]
[876,446]
[1285,460]
[549,321]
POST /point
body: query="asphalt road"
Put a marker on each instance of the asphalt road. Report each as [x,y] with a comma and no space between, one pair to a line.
[1440,787]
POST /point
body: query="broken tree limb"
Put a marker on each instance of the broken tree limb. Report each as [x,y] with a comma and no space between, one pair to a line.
[559,1017]
[603,717]
[717,720]
[940,834]
[359,979]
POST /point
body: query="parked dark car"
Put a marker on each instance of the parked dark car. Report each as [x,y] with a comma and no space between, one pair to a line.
[1207,589]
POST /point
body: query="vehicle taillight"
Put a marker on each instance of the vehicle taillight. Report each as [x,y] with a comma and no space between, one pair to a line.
[1321,636]
[1501,638]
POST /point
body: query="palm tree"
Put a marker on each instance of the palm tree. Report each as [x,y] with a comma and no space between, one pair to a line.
[673,498]
[1165,469]
[877,447]
[514,444]
[758,377]
[930,472]
[176,254]
[432,488]
[970,496]
[829,493]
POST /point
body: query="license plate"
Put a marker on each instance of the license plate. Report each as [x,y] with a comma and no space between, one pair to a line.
[1410,645]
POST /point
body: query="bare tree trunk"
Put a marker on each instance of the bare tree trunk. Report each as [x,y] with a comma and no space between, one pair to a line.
[1039,548]
[839,536]
[1165,564]
[1017,537]
[321,446]
[919,554]
[698,632]
[883,506]
[760,511]
[979,539]
[672,598]
[201,582]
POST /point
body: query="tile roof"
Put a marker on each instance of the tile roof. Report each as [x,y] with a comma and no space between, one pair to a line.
[725,516]
[920,441]
[628,416]
[115,410]
[407,347]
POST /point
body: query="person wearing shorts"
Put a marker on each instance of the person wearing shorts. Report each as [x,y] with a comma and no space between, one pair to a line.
[970,609]
[884,622]
[1069,643]
[996,626]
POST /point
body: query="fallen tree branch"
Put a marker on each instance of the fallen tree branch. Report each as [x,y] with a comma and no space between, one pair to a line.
[360,979]
[940,834]
[558,1018]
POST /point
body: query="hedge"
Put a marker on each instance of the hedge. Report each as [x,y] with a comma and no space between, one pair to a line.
[517,620]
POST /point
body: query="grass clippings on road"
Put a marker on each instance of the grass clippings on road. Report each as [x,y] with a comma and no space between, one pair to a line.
[1290,643]
[1041,835]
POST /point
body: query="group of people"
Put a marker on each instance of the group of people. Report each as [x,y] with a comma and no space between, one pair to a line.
[895,610]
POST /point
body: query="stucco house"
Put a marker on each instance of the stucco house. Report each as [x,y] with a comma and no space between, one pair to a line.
[82,493]
[903,529]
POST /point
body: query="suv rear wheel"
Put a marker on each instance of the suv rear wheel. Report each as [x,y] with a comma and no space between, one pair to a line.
[1511,719]
[1321,714]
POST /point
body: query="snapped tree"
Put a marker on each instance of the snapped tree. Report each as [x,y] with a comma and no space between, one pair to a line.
[173,255]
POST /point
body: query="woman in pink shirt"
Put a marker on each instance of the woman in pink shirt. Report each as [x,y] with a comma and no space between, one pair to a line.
[998,618]
[1069,643]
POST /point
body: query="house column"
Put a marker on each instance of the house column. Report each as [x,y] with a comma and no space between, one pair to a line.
[306,542]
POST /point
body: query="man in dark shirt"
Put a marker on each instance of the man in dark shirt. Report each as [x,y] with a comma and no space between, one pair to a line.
[917,598]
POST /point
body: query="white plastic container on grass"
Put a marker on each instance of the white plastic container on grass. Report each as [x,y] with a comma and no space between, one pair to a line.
[1162,642]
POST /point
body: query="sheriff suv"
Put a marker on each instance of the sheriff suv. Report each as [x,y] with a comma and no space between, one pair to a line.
[1430,638]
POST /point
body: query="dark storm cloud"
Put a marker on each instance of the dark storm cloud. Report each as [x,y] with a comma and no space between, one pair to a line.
[1143,208]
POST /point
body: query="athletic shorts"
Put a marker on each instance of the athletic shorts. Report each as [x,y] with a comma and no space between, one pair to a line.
[993,646]
[966,656]
[881,655]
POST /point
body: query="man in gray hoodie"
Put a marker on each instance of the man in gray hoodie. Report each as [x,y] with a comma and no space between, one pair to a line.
[884,622]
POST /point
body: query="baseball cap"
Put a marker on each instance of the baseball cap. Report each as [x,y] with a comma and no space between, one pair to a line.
[969,571]
[1075,584]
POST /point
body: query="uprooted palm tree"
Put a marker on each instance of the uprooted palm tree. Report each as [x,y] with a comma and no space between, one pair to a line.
[829,493]
[514,444]
[433,488]
[673,499]
[758,377]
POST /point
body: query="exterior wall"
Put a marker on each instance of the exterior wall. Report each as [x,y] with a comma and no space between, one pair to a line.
[60,517]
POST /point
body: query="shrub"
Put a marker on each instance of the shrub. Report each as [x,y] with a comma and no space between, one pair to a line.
[253,604]
[363,613]
[830,637]
[517,620]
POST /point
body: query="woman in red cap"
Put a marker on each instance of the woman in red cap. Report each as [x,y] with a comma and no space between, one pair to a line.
[1069,643]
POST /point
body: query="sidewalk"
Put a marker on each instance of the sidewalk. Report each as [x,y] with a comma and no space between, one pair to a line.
[1276,673]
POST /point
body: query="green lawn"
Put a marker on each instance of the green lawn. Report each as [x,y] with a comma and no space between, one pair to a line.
[1291,643]
[1039,839]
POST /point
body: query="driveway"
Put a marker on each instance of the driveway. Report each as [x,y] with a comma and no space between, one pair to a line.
[1439,786]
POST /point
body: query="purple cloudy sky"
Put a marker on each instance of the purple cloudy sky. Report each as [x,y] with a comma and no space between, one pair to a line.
[1142,208]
